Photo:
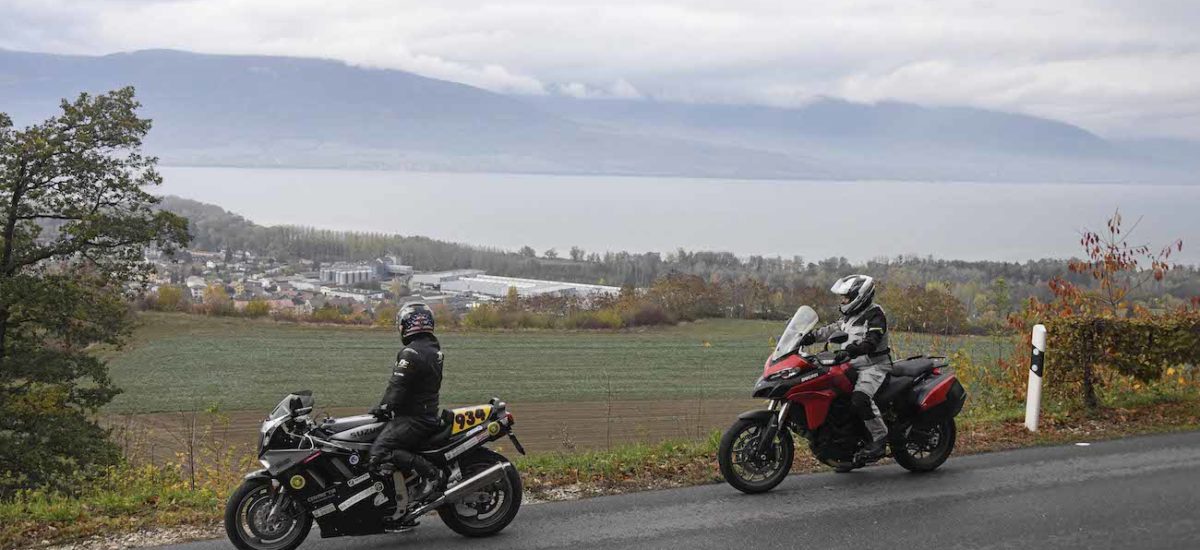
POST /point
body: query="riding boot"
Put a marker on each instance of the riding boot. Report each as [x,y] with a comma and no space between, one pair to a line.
[430,476]
[874,450]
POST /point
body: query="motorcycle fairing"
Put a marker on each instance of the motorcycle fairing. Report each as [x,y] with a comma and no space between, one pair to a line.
[816,405]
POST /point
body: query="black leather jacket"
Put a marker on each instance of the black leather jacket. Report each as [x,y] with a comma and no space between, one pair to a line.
[416,379]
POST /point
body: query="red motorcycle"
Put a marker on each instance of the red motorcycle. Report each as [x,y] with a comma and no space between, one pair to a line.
[810,395]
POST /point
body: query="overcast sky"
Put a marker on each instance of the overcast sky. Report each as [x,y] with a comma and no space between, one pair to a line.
[1122,68]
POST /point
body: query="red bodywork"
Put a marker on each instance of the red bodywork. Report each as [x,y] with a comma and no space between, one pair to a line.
[814,395]
[938,395]
[817,394]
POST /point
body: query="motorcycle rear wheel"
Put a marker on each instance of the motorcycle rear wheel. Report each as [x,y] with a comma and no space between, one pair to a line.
[491,509]
[750,474]
[923,447]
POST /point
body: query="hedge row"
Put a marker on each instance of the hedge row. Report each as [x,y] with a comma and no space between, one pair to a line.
[1083,348]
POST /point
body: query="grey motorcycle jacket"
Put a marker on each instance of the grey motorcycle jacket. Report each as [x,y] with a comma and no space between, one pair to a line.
[868,335]
[416,378]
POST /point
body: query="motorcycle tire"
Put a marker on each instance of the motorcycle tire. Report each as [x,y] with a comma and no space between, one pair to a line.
[926,459]
[471,521]
[245,505]
[733,436]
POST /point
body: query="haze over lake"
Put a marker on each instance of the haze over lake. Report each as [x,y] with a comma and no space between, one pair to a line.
[813,219]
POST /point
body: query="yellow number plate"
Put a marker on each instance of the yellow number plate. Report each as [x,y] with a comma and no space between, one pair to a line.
[466,418]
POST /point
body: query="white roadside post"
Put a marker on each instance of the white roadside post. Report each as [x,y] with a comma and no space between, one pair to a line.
[1033,398]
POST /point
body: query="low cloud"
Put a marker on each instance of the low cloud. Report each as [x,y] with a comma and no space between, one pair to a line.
[1115,67]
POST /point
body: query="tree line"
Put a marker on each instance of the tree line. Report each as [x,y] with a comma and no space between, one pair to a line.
[922,293]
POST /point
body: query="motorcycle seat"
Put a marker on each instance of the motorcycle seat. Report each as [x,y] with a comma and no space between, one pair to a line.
[912,367]
[338,425]
[893,386]
[440,437]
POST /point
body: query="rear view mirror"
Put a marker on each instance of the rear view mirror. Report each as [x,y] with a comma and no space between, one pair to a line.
[839,337]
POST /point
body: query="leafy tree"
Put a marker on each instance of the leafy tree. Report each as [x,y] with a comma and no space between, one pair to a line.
[257,308]
[170,298]
[216,300]
[385,315]
[528,252]
[999,297]
[577,254]
[75,219]
[550,254]
[512,299]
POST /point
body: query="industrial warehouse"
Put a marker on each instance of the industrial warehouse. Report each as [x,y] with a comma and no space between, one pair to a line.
[474,282]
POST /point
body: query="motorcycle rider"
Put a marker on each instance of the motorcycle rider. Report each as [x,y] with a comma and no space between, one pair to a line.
[867,347]
[410,403]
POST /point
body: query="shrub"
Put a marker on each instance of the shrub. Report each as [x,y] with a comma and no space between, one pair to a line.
[602,319]
[1085,351]
[169,298]
[257,308]
[649,315]
[327,314]
[483,316]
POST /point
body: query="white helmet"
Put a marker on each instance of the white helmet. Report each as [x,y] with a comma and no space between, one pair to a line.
[858,290]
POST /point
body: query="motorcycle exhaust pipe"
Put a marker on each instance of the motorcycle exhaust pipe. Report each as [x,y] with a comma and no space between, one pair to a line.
[465,487]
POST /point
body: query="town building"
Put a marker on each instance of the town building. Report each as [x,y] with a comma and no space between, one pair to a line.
[496,286]
[436,279]
[356,294]
[348,274]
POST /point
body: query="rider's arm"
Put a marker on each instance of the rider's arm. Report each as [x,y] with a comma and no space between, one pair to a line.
[876,328]
[402,375]
[822,334]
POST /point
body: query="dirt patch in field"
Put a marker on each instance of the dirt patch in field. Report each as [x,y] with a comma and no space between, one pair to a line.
[542,427]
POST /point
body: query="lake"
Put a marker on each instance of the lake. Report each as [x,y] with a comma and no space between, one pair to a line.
[813,219]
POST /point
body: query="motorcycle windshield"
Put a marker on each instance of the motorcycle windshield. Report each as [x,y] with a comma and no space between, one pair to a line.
[282,409]
[802,322]
[290,403]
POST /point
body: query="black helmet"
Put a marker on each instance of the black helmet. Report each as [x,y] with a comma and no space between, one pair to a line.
[858,292]
[414,318]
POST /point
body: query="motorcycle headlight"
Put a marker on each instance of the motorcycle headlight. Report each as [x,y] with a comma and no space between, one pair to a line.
[784,374]
[266,431]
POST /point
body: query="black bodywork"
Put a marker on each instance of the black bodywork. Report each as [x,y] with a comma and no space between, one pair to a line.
[332,481]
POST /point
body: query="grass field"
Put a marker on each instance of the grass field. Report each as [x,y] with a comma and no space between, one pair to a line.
[188,362]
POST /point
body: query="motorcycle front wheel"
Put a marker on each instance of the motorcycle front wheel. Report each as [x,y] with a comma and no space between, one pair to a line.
[749,472]
[248,526]
[490,510]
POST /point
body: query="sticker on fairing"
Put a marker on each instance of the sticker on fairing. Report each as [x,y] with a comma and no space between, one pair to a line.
[326,509]
[360,496]
[466,418]
[359,479]
[481,437]
[380,499]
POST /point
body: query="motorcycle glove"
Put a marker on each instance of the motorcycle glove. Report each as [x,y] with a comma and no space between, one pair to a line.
[855,349]
[808,339]
[381,412]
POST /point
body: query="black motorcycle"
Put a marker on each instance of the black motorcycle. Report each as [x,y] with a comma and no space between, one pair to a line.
[318,471]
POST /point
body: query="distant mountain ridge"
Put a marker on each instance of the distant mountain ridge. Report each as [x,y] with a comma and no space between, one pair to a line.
[300,112]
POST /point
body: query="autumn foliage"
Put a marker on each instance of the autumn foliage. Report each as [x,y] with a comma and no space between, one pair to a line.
[1098,335]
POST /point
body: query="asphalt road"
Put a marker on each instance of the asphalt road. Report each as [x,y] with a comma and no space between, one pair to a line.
[1142,492]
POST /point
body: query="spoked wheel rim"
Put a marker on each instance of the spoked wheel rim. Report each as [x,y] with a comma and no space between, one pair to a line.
[760,467]
[924,442]
[485,507]
[260,532]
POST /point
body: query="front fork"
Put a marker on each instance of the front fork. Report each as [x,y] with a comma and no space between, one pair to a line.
[774,423]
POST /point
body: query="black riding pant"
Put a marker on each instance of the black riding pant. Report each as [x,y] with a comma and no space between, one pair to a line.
[402,436]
